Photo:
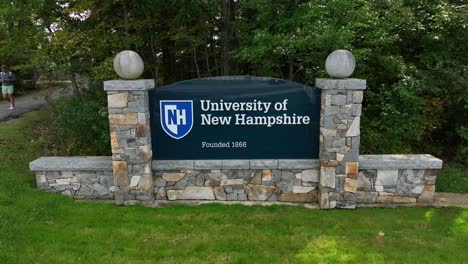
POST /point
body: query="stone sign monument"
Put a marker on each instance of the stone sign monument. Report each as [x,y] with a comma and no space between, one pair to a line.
[242,139]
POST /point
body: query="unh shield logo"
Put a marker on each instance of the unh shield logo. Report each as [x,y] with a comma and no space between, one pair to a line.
[176,117]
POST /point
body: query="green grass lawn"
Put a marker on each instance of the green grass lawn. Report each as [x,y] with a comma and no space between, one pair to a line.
[38,227]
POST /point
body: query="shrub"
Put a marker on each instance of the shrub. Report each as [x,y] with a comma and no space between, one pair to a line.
[82,125]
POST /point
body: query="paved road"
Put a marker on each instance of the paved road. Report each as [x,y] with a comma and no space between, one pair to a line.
[30,102]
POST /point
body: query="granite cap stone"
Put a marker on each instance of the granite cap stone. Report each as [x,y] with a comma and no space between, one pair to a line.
[340,84]
[409,161]
[296,164]
[129,85]
[84,163]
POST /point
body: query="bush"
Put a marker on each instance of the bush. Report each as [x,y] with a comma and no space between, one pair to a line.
[81,124]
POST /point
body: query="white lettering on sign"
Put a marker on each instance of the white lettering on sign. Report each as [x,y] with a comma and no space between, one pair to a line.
[208,105]
[248,119]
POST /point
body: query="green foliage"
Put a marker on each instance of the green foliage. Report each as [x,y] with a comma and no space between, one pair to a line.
[452,178]
[82,125]
[392,118]
[462,151]
[412,53]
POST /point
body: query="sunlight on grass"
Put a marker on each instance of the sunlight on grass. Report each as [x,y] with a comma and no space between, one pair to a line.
[326,249]
[460,225]
[429,215]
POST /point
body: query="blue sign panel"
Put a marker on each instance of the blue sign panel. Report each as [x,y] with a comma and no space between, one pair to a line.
[235,117]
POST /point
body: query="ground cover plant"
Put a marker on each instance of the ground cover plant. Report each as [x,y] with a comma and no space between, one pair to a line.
[39,227]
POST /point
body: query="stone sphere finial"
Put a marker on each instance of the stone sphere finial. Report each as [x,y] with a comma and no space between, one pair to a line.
[128,65]
[340,64]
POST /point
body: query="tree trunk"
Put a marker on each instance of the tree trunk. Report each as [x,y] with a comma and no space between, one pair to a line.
[195,60]
[208,70]
[125,16]
[74,84]
[228,37]
[291,70]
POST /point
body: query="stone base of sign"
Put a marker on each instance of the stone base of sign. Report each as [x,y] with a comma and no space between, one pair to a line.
[382,180]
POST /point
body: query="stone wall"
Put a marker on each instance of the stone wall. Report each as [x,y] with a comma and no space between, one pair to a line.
[237,180]
[396,179]
[382,180]
[78,177]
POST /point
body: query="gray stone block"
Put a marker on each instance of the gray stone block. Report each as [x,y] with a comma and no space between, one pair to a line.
[338,99]
[208,164]
[145,195]
[119,197]
[329,122]
[338,142]
[310,175]
[219,193]
[172,165]
[352,155]
[85,163]
[257,179]
[192,193]
[356,110]
[287,176]
[100,189]
[129,85]
[85,191]
[364,183]
[357,97]
[354,127]
[340,84]
[235,164]
[263,164]
[366,197]
[200,180]
[182,184]
[228,189]
[409,161]
[402,189]
[327,177]
[298,164]
[238,189]
[113,111]
[159,182]
[331,110]
[242,196]
[386,177]
[161,194]
[231,197]
[345,109]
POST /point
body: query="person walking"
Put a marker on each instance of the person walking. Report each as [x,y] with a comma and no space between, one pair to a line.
[8,79]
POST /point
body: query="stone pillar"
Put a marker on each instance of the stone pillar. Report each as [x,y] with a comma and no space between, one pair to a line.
[128,107]
[339,141]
